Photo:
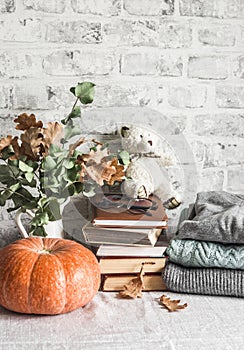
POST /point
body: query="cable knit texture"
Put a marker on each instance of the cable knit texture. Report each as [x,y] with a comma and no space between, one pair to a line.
[193,253]
[217,216]
[213,281]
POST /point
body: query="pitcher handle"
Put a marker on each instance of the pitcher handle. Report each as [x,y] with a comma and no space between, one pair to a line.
[19,223]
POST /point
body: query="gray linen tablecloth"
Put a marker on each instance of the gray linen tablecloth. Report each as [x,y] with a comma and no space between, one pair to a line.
[106,323]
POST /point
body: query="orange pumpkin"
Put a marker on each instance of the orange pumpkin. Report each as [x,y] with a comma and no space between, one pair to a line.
[47,276]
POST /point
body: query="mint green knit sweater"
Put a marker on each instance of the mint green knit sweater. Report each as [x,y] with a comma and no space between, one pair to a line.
[194,253]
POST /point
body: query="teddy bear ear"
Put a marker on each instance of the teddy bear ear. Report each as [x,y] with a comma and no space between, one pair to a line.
[123,131]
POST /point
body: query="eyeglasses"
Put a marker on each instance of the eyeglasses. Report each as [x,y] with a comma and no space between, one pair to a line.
[141,206]
[134,206]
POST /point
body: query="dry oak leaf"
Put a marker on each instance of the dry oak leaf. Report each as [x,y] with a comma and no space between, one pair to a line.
[99,155]
[52,134]
[73,146]
[5,142]
[32,145]
[170,304]
[16,148]
[134,288]
[99,172]
[26,121]
[119,173]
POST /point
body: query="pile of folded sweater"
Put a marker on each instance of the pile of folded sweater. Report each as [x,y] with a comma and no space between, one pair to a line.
[207,254]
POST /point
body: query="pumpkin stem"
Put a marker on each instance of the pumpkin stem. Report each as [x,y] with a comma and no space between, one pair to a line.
[44,251]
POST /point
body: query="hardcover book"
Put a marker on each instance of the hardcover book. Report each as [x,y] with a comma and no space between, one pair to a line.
[122,236]
[122,217]
[130,251]
[110,265]
[152,282]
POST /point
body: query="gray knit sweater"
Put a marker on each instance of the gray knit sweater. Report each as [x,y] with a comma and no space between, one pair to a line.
[218,216]
[213,281]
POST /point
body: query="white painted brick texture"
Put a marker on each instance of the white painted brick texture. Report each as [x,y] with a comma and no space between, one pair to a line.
[183,58]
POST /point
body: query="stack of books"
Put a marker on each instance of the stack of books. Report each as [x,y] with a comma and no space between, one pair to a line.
[120,264]
[121,227]
[125,241]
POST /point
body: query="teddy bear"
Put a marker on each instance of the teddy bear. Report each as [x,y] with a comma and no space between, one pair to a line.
[148,172]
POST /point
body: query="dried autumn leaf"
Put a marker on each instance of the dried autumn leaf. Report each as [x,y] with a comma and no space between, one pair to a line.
[32,145]
[134,288]
[26,121]
[99,155]
[119,172]
[99,172]
[52,134]
[73,146]
[5,142]
[172,305]
[16,148]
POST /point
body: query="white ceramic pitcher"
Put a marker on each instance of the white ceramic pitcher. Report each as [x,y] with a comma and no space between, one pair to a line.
[54,229]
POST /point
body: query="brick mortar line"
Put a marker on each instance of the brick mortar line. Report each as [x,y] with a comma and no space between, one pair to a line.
[191,51]
[103,18]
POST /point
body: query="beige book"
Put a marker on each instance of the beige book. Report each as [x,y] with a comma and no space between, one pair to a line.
[131,265]
[116,282]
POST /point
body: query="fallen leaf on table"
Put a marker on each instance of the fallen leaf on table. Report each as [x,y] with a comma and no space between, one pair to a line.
[134,288]
[172,305]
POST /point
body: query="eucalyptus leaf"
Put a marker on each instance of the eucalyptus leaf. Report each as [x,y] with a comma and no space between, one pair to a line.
[41,218]
[25,167]
[14,187]
[25,182]
[2,199]
[24,194]
[29,177]
[30,205]
[6,179]
[53,210]
[72,90]
[75,113]
[79,187]
[5,170]
[6,194]
[85,92]
[124,157]
[71,175]
[38,231]
[48,163]
[55,150]
[68,163]
[7,152]
[32,164]
[71,131]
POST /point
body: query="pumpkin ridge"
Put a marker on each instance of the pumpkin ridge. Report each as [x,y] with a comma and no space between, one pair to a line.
[61,263]
[28,293]
[4,286]
[22,257]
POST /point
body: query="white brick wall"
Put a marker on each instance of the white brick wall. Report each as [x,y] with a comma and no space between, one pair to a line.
[183,58]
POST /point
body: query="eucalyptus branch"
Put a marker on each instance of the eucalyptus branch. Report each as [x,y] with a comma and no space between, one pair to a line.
[77,99]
